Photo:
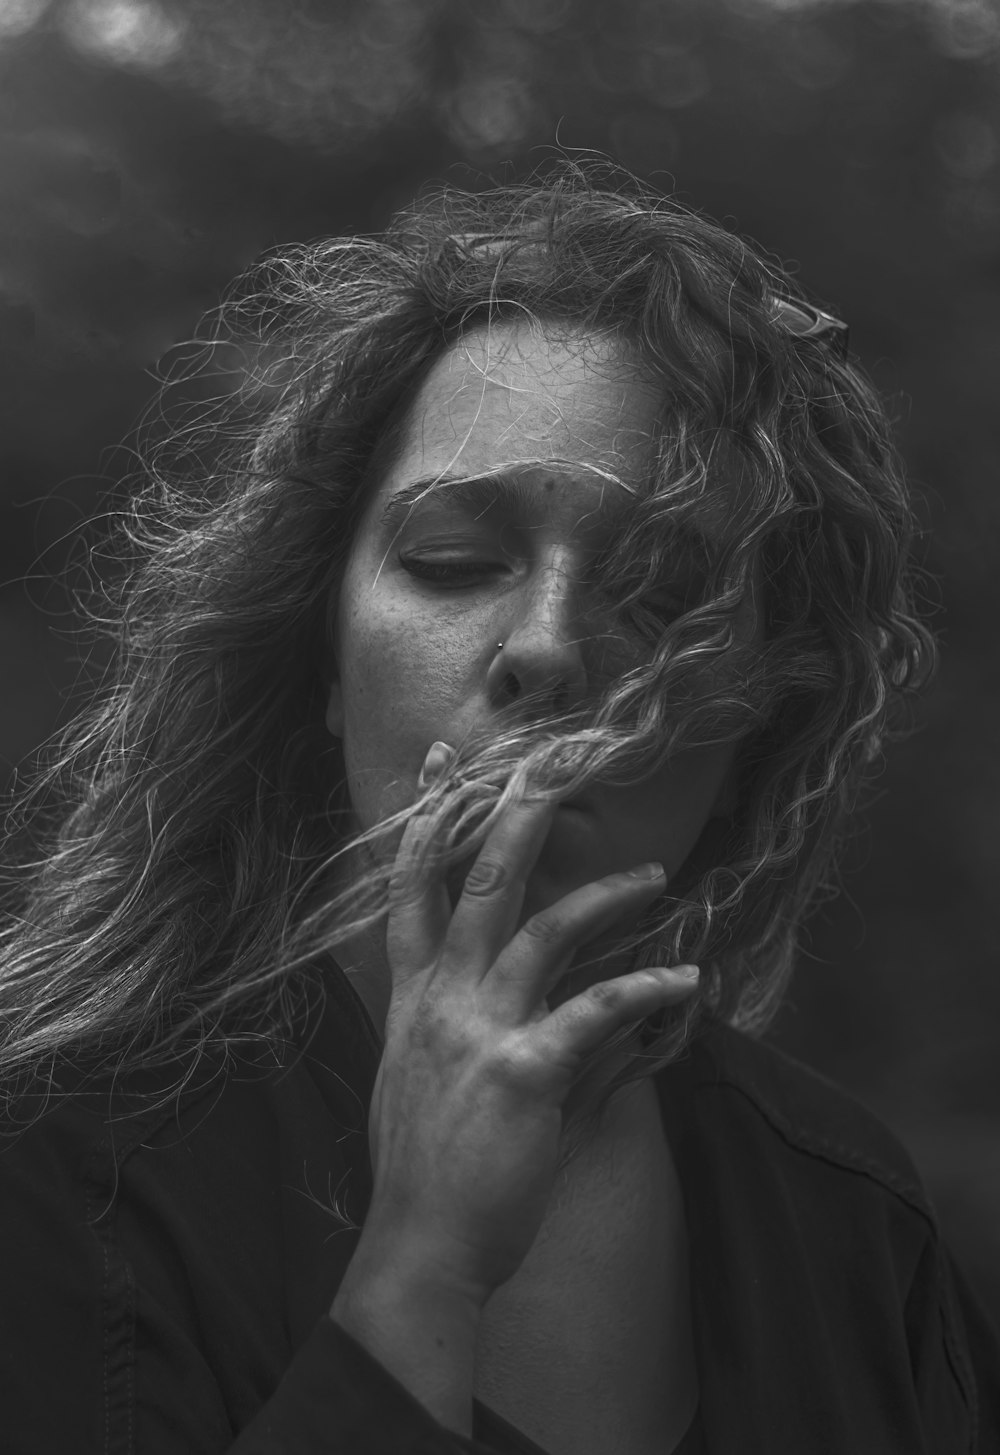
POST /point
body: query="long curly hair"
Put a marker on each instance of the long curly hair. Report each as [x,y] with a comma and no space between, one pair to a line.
[181,899]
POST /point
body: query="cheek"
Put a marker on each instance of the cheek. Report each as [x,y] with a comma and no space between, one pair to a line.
[400,688]
[373,661]
[375,646]
[392,682]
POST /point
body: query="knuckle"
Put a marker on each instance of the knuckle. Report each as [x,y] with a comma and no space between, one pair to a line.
[515,1064]
[545,927]
[487,876]
[508,1061]
[404,889]
[435,1024]
[607,994]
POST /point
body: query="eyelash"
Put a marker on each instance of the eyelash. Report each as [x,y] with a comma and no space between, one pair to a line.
[440,572]
[445,574]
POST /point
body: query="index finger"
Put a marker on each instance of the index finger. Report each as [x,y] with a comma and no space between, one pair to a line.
[489,907]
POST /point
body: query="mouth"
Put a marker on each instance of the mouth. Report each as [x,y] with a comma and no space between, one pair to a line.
[575,805]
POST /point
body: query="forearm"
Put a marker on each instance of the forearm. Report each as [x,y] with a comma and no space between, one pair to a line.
[419,1329]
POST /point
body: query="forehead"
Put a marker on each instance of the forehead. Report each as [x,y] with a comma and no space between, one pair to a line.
[518,394]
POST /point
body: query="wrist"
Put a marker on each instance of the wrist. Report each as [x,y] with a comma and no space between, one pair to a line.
[396,1250]
[419,1326]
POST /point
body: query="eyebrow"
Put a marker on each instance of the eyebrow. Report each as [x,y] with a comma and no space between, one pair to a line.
[472,492]
[512,492]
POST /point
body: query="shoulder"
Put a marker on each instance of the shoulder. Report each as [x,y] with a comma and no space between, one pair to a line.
[794,1187]
[795,1110]
[217,1095]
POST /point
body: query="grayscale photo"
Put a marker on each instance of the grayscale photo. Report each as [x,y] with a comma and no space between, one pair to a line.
[500,580]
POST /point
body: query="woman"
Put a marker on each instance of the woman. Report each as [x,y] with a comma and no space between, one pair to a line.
[380,1020]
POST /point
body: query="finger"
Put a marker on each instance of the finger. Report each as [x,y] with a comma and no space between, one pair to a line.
[542,949]
[419,907]
[489,907]
[579,1027]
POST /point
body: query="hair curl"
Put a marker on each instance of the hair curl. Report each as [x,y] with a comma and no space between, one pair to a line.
[182,901]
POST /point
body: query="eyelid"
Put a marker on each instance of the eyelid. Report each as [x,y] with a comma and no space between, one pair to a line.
[451,553]
[457,551]
[450,574]
[436,558]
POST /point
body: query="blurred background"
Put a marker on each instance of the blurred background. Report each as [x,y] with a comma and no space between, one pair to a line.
[151,148]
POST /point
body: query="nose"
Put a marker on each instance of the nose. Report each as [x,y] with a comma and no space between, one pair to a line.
[545,636]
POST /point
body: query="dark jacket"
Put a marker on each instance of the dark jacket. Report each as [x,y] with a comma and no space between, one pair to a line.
[167,1272]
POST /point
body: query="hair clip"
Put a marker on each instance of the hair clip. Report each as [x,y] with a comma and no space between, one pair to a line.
[805,321]
[466,241]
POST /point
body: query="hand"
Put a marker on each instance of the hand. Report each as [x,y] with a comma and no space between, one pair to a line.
[467,1108]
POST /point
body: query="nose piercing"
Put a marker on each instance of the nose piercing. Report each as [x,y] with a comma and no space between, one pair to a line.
[499,646]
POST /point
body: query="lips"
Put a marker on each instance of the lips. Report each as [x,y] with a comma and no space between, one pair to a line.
[584,801]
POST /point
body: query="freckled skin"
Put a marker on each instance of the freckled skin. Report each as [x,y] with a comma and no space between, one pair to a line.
[416,662]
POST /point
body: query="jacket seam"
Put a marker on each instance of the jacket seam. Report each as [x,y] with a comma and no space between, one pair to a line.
[117,1311]
[851,1160]
[840,1153]
[957,1362]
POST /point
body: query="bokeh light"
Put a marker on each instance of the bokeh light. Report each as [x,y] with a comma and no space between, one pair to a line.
[124,32]
[18,16]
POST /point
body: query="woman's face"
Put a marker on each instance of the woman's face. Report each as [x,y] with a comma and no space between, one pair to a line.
[430,590]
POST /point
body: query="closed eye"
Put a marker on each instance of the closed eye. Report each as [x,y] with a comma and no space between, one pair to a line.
[667,603]
[656,610]
[449,573]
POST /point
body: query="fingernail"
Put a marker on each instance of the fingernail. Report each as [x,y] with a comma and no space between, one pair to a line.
[651,870]
[438,757]
[690,972]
